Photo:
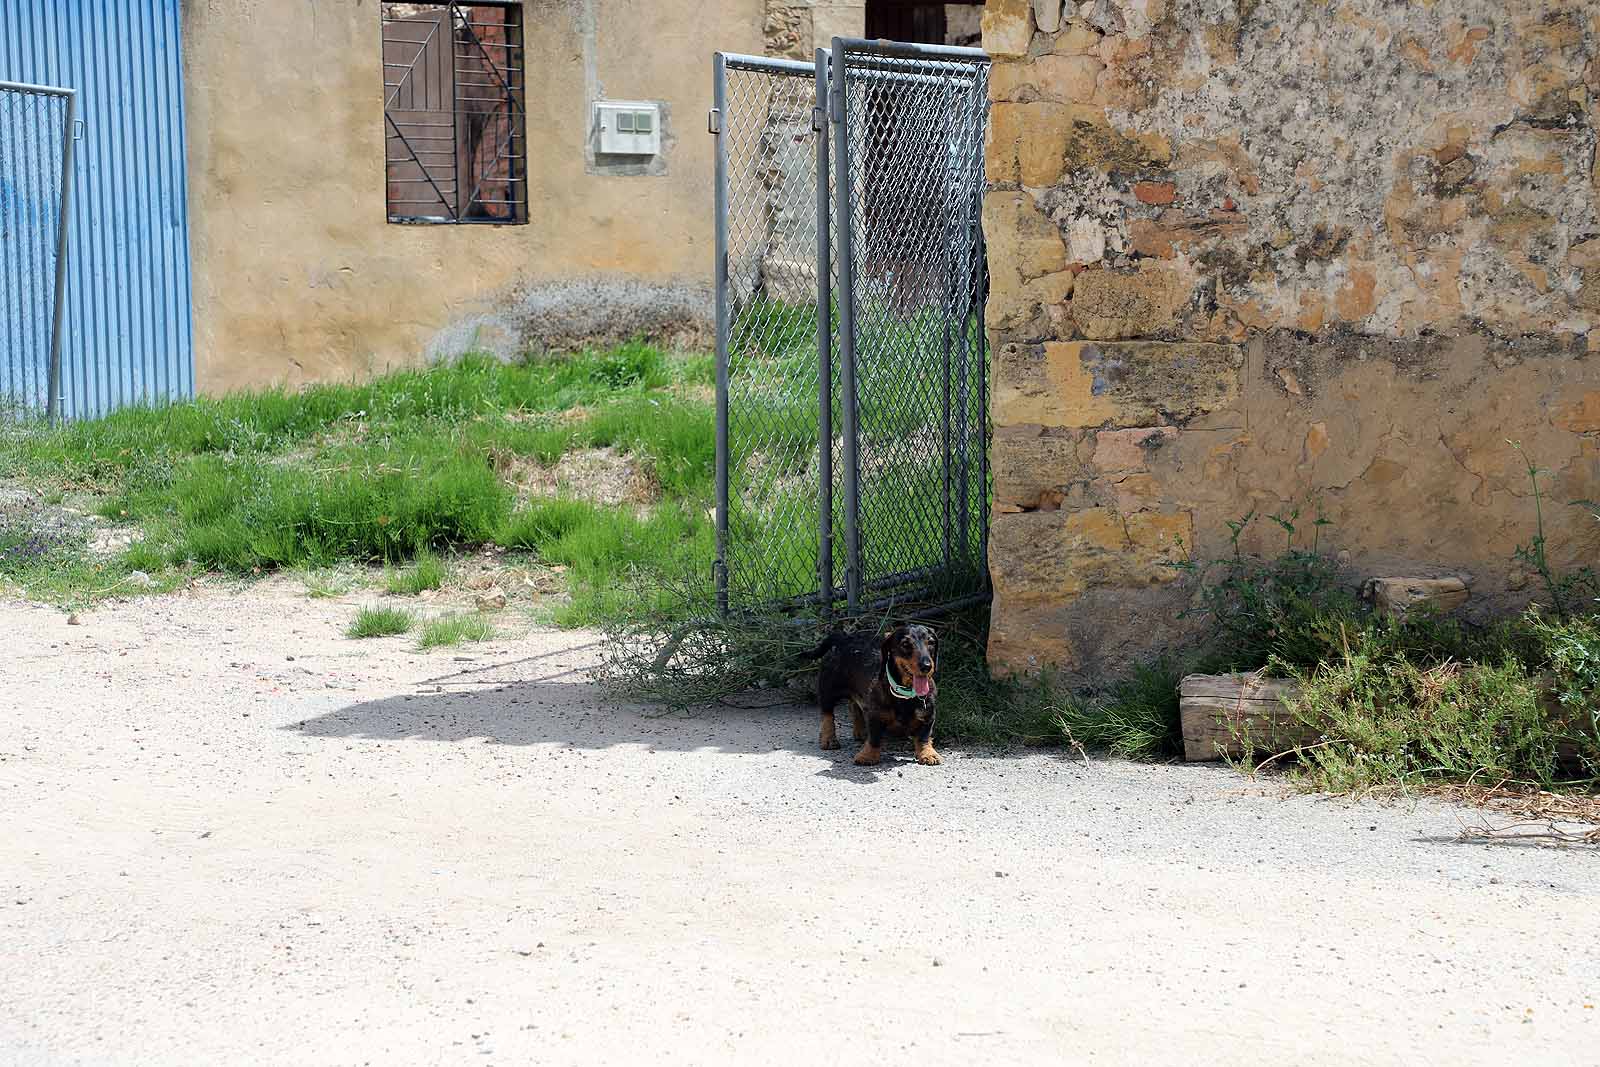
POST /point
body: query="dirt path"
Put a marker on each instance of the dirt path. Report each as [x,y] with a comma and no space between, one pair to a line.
[232,835]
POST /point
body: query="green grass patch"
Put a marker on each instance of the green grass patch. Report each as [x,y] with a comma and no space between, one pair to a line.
[381,622]
[426,573]
[394,471]
[453,630]
[133,444]
[248,515]
[617,561]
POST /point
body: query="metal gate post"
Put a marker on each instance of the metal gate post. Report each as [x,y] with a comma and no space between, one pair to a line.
[53,401]
[847,325]
[984,431]
[819,123]
[719,96]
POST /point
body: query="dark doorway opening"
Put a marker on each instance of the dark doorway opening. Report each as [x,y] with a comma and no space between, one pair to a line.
[899,20]
[924,23]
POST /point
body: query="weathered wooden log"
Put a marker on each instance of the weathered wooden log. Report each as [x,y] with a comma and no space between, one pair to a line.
[1219,712]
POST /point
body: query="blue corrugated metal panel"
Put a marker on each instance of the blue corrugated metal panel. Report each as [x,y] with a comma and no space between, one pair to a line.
[128,336]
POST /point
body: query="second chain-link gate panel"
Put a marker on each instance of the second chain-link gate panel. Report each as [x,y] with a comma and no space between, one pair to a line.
[852,420]
[908,127]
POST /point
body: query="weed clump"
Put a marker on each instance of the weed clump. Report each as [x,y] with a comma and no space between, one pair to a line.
[1386,718]
[1136,718]
[1574,591]
[381,622]
[1285,609]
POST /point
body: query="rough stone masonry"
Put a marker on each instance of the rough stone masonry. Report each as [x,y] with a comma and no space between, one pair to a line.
[1261,255]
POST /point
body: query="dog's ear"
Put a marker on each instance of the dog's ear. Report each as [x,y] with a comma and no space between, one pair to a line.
[887,643]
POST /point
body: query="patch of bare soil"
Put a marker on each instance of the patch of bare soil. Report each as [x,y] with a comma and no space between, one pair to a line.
[41,519]
[598,475]
[491,579]
[501,584]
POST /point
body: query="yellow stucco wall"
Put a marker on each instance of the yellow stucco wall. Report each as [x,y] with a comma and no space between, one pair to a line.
[298,276]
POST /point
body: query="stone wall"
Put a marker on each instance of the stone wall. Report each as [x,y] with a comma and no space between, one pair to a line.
[1267,254]
[795,29]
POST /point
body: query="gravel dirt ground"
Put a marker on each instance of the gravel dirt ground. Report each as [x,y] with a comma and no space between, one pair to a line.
[232,835]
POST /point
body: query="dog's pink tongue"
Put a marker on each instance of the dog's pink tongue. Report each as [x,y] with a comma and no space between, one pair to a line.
[920,684]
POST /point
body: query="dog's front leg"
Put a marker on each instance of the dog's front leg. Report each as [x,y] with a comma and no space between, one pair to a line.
[872,751]
[922,744]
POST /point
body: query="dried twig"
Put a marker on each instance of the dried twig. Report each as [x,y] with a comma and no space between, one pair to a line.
[1550,833]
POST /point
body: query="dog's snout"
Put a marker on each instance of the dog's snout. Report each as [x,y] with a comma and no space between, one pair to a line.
[925,663]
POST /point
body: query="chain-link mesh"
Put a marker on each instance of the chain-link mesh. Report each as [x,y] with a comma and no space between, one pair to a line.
[915,130]
[775,493]
[33,138]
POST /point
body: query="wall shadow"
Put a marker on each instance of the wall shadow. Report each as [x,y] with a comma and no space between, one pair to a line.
[549,699]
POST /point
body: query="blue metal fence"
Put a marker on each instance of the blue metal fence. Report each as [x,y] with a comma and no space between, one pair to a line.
[127,336]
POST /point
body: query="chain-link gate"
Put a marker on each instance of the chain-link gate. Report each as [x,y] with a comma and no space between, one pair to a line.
[851,368]
[35,185]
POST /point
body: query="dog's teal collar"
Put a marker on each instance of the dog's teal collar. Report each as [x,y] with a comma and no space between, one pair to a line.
[895,687]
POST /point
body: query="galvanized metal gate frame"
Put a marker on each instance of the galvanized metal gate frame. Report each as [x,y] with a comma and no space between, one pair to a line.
[58,300]
[835,275]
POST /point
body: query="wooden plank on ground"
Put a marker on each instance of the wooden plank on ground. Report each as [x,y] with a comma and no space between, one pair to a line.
[1218,711]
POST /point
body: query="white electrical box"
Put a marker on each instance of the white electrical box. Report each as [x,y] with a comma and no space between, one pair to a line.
[627,128]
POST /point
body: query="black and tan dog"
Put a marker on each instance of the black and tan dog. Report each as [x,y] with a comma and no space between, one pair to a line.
[888,680]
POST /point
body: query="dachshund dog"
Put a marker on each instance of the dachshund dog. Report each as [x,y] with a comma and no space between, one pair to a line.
[888,680]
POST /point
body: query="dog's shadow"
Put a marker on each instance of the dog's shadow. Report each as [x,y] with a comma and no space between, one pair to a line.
[560,705]
[843,768]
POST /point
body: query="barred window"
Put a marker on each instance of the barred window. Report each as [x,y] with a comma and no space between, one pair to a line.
[453,112]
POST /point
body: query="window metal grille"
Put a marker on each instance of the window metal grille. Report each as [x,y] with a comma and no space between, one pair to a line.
[454,112]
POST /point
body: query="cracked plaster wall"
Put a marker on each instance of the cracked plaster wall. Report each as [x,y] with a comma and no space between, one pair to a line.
[1260,254]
